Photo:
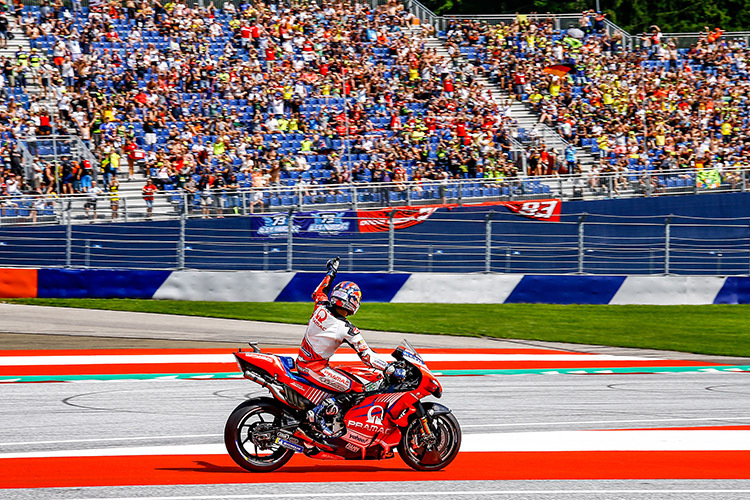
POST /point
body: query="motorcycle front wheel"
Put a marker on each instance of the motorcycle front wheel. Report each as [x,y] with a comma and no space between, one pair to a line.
[424,454]
[249,436]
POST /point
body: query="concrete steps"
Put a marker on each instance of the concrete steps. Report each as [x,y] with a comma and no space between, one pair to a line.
[520,112]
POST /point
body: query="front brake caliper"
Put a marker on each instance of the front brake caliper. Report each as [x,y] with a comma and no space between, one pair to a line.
[427,435]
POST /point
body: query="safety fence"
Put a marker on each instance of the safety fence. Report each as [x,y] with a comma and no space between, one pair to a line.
[523,237]
[173,202]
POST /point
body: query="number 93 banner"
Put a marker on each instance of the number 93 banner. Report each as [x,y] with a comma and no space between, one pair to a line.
[335,223]
[546,210]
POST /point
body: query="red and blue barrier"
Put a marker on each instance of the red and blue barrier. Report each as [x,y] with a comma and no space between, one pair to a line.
[260,286]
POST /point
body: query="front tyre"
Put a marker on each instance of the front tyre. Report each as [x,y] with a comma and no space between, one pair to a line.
[250,434]
[420,452]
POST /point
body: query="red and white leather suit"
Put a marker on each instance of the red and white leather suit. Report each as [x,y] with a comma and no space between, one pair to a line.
[326,331]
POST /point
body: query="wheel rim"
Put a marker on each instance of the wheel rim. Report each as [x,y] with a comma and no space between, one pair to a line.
[445,439]
[255,437]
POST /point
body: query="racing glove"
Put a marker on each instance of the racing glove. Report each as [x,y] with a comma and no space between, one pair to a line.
[332,266]
[396,372]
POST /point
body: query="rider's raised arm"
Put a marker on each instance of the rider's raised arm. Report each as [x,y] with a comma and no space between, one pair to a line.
[367,355]
[324,289]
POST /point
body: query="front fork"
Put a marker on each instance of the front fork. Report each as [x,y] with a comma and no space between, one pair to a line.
[428,436]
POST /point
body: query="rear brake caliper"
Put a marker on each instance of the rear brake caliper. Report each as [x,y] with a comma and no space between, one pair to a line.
[262,435]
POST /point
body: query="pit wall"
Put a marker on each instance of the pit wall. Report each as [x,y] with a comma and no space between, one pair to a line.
[258,286]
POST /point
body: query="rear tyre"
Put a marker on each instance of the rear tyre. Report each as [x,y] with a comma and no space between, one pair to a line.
[249,436]
[422,455]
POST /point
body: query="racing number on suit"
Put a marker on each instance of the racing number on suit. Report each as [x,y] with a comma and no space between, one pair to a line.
[538,209]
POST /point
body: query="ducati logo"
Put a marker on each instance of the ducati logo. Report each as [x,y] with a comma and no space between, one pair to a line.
[375,415]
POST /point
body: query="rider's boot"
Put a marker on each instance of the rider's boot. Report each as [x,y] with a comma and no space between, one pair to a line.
[329,407]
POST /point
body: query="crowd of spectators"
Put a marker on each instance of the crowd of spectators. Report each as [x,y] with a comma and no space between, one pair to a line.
[639,105]
[297,97]
[306,97]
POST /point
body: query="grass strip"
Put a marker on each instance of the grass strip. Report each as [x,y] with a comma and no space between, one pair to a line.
[706,329]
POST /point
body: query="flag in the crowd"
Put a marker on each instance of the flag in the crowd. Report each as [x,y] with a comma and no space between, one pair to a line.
[559,69]
[708,178]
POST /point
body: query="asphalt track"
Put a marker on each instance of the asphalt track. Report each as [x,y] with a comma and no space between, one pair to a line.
[551,430]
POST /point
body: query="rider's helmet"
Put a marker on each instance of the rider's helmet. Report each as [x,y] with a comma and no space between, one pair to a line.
[346,295]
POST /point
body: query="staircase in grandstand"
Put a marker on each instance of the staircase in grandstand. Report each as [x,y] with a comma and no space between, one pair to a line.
[525,119]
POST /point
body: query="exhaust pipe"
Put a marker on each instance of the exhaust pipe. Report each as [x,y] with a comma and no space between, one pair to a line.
[262,382]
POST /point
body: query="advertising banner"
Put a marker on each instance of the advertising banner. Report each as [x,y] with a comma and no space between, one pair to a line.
[375,221]
[307,224]
[545,210]
[334,223]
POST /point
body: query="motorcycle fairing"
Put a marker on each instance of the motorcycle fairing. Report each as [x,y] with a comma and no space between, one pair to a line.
[279,367]
[369,424]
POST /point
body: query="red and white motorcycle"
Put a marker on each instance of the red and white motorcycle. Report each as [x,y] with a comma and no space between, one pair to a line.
[263,433]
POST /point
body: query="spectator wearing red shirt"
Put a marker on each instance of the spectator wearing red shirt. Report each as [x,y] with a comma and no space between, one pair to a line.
[519,80]
[246,36]
[148,196]
[270,56]
[448,87]
[129,149]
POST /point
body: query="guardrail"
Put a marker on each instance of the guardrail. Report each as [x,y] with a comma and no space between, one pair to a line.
[397,241]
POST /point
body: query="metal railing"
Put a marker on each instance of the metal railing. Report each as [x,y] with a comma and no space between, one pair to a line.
[398,241]
[129,206]
[53,149]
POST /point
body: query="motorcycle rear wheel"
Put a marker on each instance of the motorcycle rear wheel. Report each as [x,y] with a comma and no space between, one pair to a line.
[249,436]
[416,454]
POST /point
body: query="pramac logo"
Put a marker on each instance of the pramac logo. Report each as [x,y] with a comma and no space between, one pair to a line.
[319,316]
[375,415]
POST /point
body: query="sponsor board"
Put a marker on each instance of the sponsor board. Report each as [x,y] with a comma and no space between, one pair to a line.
[307,224]
[546,210]
[335,223]
[375,221]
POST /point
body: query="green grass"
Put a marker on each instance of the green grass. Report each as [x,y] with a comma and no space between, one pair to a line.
[709,329]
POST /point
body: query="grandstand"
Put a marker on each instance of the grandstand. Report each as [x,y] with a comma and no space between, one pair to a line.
[322,105]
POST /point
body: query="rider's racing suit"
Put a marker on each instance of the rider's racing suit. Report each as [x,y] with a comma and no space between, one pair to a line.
[325,332]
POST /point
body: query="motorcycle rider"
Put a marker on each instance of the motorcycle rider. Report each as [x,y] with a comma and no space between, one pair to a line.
[327,329]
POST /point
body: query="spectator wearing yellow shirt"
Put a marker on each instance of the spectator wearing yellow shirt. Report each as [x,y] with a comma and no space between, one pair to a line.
[726,131]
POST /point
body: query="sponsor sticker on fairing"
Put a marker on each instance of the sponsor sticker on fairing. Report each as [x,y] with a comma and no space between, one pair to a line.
[373,385]
[289,445]
[355,437]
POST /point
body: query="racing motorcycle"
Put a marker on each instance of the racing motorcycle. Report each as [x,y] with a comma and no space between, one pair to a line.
[262,434]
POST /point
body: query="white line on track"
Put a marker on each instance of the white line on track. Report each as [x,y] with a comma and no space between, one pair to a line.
[101,440]
[475,426]
[428,493]
[606,440]
[116,359]
[599,422]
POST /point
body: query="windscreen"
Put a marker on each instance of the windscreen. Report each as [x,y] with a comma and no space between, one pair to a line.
[410,354]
